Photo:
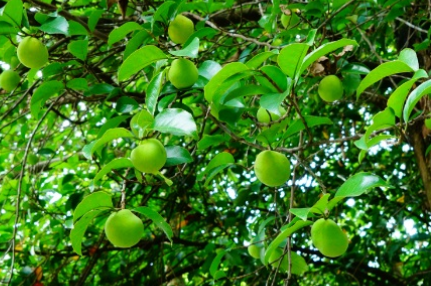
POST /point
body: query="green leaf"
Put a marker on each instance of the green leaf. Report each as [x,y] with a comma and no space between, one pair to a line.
[216,263]
[414,97]
[93,201]
[191,50]
[177,155]
[217,164]
[13,12]
[94,18]
[118,163]
[111,134]
[175,121]
[111,123]
[140,122]
[162,11]
[139,60]
[76,29]
[57,26]
[79,49]
[409,57]
[135,42]
[272,101]
[359,183]
[321,51]
[299,266]
[153,92]
[278,78]
[211,141]
[319,207]
[383,70]
[381,120]
[246,90]
[45,91]
[7,28]
[121,32]
[293,226]
[302,213]
[398,97]
[208,69]
[290,58]
[78,230]
[258,59]
[311,121]
[157,219]
[79,84]
[216,81]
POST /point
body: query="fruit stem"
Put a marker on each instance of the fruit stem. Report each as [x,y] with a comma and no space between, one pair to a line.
[167,181]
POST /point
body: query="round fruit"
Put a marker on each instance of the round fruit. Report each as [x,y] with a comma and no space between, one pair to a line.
[289,21]
[274,260]
[9,80]
[124,229]
[329,238]
[254,251]
[183,73]
[14,62]
[180,29]
[263,115]
[428,123]
[330,88]
[32,53]
[272,168]
[149,157]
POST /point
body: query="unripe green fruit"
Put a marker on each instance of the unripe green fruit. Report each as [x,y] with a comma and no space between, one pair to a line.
[14,62]
[149,157]
[183,73]
[9,80]
[254,251]
[330,88]
[272,168]
[428,123]
[329,238]
[180,29]
[263,116]
[289,21]
[124,229]
[32,53]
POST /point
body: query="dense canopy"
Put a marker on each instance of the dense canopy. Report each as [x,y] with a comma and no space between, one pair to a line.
[68,128]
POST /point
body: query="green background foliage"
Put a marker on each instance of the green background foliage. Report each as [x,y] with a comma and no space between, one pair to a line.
[67,130]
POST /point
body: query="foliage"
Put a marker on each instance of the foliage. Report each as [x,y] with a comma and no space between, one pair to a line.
[67,131]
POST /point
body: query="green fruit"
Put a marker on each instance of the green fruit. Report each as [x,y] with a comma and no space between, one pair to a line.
[183,73]
[263,115]
[180,29]
[428,123]
[329,238]
[32,53]
[124,229]
[272,168]
[330,88]
[254,251]
[149,156]
[14,62]
[9,80]
[289,21]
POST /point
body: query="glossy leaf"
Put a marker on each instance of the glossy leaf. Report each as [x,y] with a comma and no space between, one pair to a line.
[45,91]
[175,121]
[177,155]
[118,163]
[110,135]
[121,32]
[157,219]
[139,60]
[97,200]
